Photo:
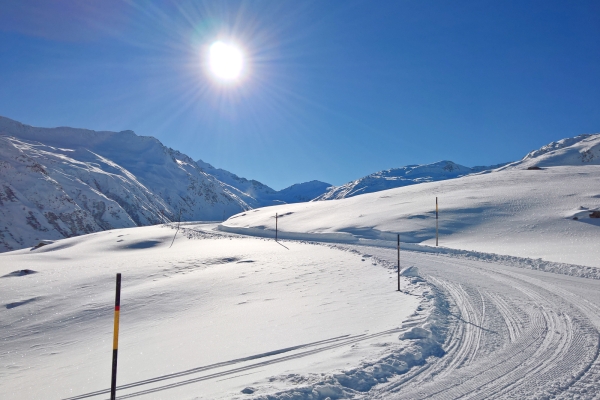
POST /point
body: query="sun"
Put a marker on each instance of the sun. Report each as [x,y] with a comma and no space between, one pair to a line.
[226,61]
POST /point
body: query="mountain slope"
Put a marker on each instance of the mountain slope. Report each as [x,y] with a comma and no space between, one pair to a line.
[579,150]
[537,214]
[398,177]
[261,195]
[63,182]
[301,192]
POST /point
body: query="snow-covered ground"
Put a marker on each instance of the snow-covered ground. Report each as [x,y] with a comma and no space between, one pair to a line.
[507,307]
[205,318]
[219,315]
[514,212]
[222,316]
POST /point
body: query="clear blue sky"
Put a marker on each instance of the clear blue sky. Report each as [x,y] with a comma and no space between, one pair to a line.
[334,90]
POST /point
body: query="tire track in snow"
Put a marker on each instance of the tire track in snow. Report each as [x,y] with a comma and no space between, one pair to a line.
[549,347]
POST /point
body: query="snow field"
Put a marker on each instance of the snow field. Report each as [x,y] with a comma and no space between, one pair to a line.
[205,318]
[519,213]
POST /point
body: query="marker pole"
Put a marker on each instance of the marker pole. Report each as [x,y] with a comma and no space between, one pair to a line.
[276,216]
[113,383]
[399,263]
[436,221]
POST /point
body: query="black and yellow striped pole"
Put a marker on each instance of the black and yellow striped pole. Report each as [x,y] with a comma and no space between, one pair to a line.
[436,221]
[113,383]
[399,262]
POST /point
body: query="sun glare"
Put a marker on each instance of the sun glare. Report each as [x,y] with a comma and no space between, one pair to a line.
[226,61]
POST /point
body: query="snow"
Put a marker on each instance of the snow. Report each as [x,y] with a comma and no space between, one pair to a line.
[579,150]
[398,177]
[63,182]
[263,194]
[513,212]
[506,307]
[208,299]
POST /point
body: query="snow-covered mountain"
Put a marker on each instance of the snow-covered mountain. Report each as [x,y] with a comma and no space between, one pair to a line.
[398,177]
[262,195]
[254,190]
[63,182]
[301,192]
[579,150]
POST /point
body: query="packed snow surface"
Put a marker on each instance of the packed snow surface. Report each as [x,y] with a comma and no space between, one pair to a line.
[525,213]
[238,310]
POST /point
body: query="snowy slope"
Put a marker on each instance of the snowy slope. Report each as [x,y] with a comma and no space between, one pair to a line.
[255,190]
[63,182]
[579,150]
[207,317]
[261,194]
[398,177]
[301,192]
[227,317]
[514,212]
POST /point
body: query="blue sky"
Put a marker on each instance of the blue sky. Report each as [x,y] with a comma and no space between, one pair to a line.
[334,90]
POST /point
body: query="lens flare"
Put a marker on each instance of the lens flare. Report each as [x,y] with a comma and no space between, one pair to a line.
[226,61]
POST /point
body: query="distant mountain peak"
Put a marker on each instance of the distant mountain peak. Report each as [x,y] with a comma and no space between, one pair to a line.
[397,177]
[579,150]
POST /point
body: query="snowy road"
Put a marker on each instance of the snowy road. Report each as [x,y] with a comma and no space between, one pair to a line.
[517,334]
[506,332]
[514,333]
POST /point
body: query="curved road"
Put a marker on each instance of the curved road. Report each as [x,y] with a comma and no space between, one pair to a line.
[516,333]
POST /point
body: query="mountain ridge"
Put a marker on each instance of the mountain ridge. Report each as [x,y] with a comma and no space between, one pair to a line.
[398,177]
[62,182]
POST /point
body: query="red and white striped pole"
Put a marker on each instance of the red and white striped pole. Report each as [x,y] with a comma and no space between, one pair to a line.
[113,384]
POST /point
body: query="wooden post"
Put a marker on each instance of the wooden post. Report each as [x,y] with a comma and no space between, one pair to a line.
[276,226]
[113,383]
[399,263]
[436,221]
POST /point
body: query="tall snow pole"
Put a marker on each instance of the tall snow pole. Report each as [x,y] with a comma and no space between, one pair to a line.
[399,263]
[113,383]
[436,221]
[276,226]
